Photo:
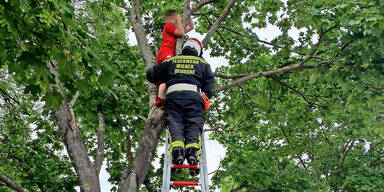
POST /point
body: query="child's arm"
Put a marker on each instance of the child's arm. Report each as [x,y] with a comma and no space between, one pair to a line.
[179,32]
[189,26]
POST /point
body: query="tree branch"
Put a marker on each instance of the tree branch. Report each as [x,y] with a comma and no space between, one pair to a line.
[217,23]
[100,140]
[289,143]
[186,15]
[128,152]
[349,147]
[199,5]
[239,188]
[264,74]
[61,88]
[298,92]
[148,185]
[317,45]
[141,36]
[142,42]
[10,183]
[322,131]
[144,154]
[218,33]
[6,95]
[256,38]
[74,98]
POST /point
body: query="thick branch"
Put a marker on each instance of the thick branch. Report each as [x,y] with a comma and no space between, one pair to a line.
[229,76]
[264,74]
[186,15]
[142,42]
[77,152]
[10,183]
[100,139]
[218,33]
[141,36]
[144,155]
[217,23]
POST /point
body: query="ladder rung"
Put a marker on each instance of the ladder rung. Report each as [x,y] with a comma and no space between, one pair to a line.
[185,183]
[185,166]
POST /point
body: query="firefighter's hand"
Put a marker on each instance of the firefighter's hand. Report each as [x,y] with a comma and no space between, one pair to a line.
[207,102]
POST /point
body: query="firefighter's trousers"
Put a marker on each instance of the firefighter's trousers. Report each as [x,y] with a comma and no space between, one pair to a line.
[184,117]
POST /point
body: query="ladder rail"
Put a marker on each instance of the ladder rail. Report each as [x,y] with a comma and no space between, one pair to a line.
[203,163]
[167,165]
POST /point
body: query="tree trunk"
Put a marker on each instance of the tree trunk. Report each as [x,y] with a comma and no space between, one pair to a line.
[144,155]
[84,168]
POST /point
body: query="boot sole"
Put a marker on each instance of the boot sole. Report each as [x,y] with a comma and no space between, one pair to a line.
[192,161]
[194,172]
[179,161]
[176,170]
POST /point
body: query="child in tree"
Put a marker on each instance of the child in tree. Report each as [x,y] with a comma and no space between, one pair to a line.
[173,29]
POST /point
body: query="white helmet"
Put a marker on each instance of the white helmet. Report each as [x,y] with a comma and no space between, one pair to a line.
[195,45]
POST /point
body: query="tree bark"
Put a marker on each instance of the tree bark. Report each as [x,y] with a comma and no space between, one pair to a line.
[10,183]
[186,15]
[144,154]
[100,140]
[65,120]
[84,168]
[133,177]
[141,36]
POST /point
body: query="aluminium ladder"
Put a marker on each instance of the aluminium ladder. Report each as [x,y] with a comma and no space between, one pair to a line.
[203,183]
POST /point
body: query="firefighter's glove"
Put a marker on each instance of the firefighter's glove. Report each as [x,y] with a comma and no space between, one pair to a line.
[207,102]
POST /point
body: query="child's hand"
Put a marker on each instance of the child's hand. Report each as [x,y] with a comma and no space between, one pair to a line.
[178,17]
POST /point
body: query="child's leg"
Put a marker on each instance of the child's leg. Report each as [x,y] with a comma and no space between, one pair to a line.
[162,56]
[161,93]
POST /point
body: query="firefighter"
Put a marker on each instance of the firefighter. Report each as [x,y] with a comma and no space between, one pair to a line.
[190,85]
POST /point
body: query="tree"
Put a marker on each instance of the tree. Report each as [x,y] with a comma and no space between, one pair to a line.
[297,115]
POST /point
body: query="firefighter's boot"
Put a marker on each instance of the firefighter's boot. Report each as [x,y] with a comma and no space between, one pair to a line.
[178,155]
[192,159]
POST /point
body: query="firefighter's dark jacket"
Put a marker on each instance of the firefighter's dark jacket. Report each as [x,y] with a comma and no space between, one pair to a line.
[184,69]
